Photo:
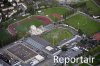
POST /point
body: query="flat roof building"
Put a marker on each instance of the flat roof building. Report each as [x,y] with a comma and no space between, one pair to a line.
[23,53]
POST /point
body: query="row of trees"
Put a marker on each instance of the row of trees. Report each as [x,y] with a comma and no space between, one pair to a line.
[6,41]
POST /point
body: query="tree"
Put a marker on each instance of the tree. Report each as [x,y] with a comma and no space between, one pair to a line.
[31,9]
[84,41]
[80,32]
[64,48]
[53,3]
[64,16]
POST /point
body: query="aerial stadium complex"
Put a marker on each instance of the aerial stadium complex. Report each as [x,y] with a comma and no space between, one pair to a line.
[33,32]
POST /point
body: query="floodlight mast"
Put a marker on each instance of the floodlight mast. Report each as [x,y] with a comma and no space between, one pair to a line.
[78,25]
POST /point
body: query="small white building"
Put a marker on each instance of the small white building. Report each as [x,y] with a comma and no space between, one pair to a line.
[49,48]
[39,58]
[95,17]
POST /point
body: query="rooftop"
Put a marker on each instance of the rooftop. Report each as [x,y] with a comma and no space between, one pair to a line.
[22,52]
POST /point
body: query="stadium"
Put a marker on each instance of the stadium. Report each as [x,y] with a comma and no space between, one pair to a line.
[57,13]
[22,27]
[82,21]
[55,35]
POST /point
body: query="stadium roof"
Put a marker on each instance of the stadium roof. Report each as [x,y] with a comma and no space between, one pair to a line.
[23,53]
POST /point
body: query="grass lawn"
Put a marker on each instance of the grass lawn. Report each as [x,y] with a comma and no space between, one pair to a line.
[25,24]
[92,52]
[4,34]
[98,56]
[96,61]
[57,10]
[70,64]
[83,64]
[57,35]
[87,25]
[92,8]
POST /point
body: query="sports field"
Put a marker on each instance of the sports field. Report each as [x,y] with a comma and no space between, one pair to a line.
[56,12]
[92,8]
[87,25]
[22,27]
[25,24]
[89,6]
[57,35]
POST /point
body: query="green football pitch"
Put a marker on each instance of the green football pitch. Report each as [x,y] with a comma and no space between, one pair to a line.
[23,27]
[57,35]
[83,22]
[57,10]
[25,24]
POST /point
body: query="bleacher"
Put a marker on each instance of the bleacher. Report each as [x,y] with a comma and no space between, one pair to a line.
[49,27]
[34,43]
